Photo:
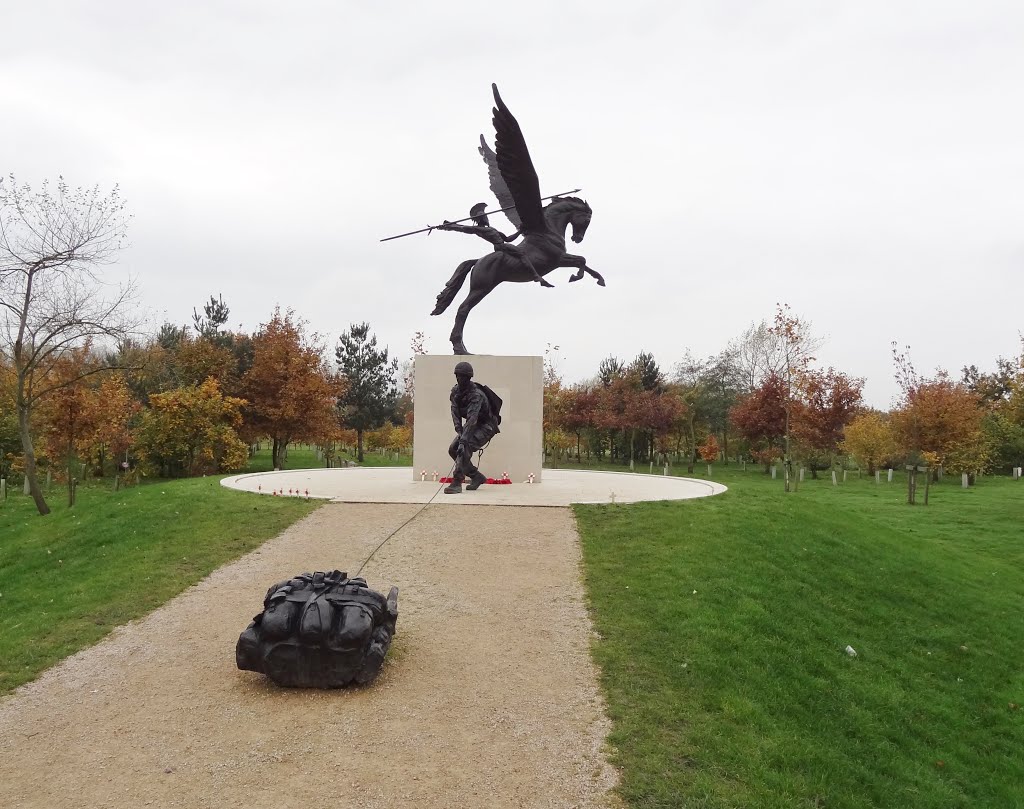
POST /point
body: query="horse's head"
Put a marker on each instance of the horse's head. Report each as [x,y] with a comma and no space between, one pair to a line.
[574,211]
[580,222]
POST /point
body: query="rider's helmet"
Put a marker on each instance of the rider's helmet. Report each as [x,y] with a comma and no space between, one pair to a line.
[478,215]
[464,369]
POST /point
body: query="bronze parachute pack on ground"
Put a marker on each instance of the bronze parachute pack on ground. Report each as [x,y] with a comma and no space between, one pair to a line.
[320,630]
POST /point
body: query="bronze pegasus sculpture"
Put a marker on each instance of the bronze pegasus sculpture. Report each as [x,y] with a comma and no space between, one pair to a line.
[513,180]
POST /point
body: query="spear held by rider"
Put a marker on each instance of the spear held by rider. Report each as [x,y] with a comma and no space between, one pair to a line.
[468,218]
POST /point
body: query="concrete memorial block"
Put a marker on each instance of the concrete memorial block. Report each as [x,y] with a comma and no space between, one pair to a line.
[517,449]
[890,474]
[774,470]
[964,480]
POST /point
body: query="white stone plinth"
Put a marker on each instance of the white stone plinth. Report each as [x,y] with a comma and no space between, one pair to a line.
[517,449]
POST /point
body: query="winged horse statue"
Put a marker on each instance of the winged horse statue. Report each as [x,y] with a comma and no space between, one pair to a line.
[514,181]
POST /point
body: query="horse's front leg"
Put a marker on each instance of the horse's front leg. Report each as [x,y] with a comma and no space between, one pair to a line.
[569,260]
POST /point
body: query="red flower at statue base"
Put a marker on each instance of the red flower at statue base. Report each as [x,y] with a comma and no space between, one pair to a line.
[492,481]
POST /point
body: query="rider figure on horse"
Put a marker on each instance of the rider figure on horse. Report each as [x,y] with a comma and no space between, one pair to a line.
[501,242]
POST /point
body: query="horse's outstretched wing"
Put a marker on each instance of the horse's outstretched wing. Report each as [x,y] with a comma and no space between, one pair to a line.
[498,186]
[516,168]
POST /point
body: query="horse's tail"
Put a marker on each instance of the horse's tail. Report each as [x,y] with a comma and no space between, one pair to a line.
[451,289]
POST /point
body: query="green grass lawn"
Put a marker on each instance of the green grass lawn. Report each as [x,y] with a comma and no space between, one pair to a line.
[303,456]
[69,578]
[723,624]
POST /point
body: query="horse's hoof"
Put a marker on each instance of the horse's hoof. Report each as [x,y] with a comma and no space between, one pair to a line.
[574,278]
[600,282]
[544,283]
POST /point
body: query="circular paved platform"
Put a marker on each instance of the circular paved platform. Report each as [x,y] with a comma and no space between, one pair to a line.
[395,485]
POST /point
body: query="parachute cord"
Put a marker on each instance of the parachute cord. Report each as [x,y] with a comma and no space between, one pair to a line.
[413,517]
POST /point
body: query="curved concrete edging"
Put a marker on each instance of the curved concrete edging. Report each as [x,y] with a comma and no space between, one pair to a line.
[561,487]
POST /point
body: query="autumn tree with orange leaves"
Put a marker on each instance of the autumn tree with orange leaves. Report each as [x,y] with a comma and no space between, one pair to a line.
[192,431]
[572,411]
[827,401]
[63,417]
[761,419]
[939,421]
[10,440]
[290,393]
[83,421]
[112,412]
[709,450]
[869,438]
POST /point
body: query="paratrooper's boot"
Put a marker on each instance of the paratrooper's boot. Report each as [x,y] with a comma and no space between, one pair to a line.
[477,480]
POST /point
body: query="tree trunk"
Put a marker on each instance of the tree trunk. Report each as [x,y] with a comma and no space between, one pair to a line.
[691,451]
[30,460]
[279,452]
[359,446]
[786,461]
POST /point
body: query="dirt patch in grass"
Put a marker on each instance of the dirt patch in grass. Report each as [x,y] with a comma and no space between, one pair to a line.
[488,698]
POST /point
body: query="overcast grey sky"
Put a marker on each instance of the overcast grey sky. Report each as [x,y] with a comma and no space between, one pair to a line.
[862,161]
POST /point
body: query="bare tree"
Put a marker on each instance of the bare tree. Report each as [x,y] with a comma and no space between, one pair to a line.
[688,378]
[757,355]
[782,349]
[51,297]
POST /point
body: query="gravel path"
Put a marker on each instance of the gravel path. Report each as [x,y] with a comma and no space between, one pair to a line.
[488,696]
